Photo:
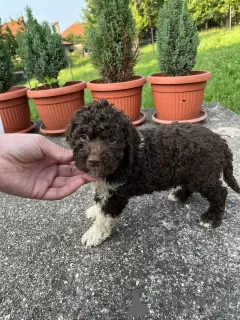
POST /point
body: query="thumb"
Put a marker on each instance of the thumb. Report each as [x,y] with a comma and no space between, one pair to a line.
[55,152]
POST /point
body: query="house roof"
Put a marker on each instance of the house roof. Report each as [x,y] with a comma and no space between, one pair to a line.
[66,43]
[76,28]
[13,26]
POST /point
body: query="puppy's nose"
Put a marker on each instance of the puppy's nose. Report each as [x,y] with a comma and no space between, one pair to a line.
[94,160]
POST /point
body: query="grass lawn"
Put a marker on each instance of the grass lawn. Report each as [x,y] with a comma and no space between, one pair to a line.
[218,52]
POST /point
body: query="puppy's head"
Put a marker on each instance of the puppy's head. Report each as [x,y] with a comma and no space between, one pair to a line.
[102,139]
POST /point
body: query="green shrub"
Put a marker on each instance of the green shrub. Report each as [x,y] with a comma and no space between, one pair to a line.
[111,41]
[18,65]
[6,68]
[74,39]
[177,39]
[41,49]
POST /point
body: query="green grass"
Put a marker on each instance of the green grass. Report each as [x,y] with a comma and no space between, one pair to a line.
[218,52]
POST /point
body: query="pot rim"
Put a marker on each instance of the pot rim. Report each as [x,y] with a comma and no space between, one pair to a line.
[73,86]
[137,81]
[19,92]
[195,76]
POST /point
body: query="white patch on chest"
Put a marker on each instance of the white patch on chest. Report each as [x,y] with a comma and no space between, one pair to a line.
[104,189]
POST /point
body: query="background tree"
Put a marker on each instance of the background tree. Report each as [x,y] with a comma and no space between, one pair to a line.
[214,12]
[41,49]
[144,13]
[111,40]
[9,39]
[6,67]
[177,39]
[74,39]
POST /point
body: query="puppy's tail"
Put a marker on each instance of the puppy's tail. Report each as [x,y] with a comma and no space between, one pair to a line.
[228,171]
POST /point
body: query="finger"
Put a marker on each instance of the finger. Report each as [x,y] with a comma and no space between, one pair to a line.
[70,171]
[89,178]
[54,151]
[58,193]
[62,181]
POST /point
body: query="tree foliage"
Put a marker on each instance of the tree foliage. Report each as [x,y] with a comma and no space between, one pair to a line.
[177,39]
[207,11]
[111,40]
[41,49]
[145,13]
[74,39]
[204,12]
[6,67]
[7,36]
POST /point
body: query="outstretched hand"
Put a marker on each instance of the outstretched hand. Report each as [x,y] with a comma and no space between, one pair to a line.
[31,166]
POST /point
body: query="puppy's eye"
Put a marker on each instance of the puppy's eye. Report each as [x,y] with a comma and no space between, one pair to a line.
[112,140]
[84,137]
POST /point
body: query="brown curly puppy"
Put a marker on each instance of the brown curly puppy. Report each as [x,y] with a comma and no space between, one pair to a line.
[128,162]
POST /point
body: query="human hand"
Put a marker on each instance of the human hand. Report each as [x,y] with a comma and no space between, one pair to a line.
[31,166]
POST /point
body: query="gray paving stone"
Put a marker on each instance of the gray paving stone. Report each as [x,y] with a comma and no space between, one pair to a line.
[159,263]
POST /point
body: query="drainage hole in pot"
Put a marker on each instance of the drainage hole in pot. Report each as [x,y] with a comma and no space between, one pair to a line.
[183,100]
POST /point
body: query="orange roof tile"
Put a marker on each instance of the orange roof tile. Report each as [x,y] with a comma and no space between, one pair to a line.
[77,29]
[13,26]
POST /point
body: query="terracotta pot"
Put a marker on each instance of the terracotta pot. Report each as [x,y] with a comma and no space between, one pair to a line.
[126,96]
[14,110]
[57,106]
[180,97]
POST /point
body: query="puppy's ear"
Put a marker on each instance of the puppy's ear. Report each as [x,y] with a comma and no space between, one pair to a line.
[68,134]
[70,129]
[133,141]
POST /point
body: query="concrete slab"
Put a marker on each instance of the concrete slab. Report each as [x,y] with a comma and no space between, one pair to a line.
[159,263]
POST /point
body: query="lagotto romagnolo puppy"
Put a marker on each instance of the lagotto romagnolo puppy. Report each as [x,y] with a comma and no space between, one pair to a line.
[128,162]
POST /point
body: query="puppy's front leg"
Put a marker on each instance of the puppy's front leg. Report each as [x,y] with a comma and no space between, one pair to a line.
[93,212]
[106,217]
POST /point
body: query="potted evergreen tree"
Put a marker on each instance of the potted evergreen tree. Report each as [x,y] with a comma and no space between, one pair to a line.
[43,55]
[177,91]
[113,53]
[14,108]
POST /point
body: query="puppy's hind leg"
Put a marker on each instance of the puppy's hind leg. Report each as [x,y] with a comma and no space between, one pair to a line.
[216,195]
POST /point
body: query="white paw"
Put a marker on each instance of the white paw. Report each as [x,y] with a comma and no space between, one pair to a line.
[93,212]
[94,236]
[206,225]
[172,197]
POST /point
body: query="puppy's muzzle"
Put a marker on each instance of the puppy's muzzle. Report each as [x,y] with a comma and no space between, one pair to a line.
[93,161]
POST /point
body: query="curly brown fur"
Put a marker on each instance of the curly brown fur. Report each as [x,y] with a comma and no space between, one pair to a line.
[129,162]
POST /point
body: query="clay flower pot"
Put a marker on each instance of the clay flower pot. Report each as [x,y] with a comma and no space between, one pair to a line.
[126,96]
[14,110]
[57,106]
[179,98]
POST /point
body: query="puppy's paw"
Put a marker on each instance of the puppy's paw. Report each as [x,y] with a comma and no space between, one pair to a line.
[172,196]
[93,212]
[208,220]
[94,236]
[207,225]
